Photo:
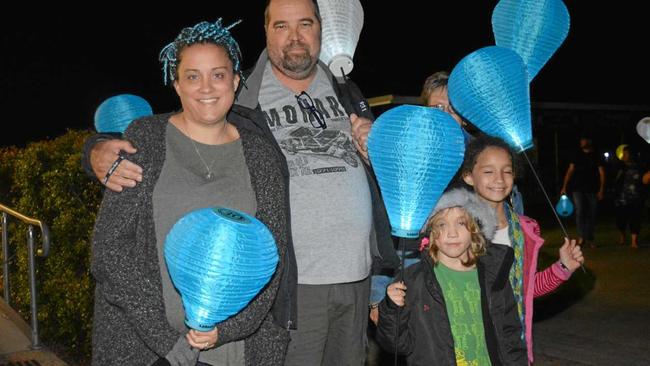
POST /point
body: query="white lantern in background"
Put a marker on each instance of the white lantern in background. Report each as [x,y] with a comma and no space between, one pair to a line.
[643,128]
[342,23]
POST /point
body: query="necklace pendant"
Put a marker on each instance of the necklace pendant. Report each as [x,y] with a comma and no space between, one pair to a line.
[209,175]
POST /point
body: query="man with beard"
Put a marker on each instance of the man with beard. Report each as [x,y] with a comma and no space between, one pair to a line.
[333,199]
[339,225]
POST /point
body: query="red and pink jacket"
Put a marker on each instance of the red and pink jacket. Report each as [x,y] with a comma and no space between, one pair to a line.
[541,282]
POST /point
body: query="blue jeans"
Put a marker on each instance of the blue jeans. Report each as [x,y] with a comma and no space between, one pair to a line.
[585,206]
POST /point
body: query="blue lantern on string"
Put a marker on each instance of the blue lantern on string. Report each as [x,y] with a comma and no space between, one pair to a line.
[117,112]
[218,259]
[415,151]
[489,87]
[534,29]
[564,206]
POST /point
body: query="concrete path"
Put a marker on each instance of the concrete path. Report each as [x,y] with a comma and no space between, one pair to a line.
[15,342]
[608,324]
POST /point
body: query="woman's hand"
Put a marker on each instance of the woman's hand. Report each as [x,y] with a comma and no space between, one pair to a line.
[202,340]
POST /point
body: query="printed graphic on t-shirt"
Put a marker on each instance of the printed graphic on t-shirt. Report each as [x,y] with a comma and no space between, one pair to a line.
[310,149]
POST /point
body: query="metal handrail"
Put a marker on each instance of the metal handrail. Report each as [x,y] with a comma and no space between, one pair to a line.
[42,252]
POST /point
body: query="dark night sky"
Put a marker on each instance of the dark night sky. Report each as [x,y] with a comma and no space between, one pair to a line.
[56,69]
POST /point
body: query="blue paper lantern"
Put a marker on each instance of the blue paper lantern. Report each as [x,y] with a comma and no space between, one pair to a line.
[489,87]
[218,259]
[534,29]
[415,151]
[117,112]
[564,206]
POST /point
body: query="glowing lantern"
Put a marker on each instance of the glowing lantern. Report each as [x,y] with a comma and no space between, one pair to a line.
[117,112]
[534,29]
[415,151]
[342,23]
[489,87]
[643,128]
[564,206]
[218,259]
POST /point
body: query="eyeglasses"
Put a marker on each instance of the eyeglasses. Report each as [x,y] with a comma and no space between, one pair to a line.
[306,103]
[445,108]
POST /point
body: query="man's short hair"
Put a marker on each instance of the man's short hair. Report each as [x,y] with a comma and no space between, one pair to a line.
[266,12]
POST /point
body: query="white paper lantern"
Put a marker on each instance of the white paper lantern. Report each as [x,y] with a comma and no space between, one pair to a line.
[643,128]
[342,23]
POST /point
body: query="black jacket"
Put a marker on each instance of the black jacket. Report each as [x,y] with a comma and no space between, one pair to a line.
[424,331]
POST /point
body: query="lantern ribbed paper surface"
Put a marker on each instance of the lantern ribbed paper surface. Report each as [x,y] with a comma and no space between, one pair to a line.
[643,129]
[564,206]
[117,112]
[342,23]
[218,259]
[489,87]
[534,29]
[415,151]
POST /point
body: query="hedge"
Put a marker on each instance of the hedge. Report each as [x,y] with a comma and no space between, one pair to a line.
[45,181]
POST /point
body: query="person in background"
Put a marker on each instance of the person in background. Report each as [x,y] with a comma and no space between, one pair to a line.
[339,224]
[209,154]
[457,305]
[488,168]
[630,195]
[585,177]
[435,94]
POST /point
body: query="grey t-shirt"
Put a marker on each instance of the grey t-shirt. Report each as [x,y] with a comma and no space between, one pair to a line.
[181,188]
[331,208]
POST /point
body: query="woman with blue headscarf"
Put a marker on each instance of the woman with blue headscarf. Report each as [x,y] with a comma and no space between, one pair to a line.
[210,153]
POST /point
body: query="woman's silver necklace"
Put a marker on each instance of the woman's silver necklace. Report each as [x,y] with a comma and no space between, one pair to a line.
[208,168]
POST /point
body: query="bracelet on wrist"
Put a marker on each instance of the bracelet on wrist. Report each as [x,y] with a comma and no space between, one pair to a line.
[563,266]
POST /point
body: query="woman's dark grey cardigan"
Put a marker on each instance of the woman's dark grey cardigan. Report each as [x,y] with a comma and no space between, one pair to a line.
[130,326]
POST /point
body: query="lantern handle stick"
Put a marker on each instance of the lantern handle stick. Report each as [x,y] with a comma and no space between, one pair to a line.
[400,277]
[541,186]
[361,105]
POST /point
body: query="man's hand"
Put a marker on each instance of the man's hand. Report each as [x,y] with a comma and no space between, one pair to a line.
[374,315]
[360,129]
[105,154]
